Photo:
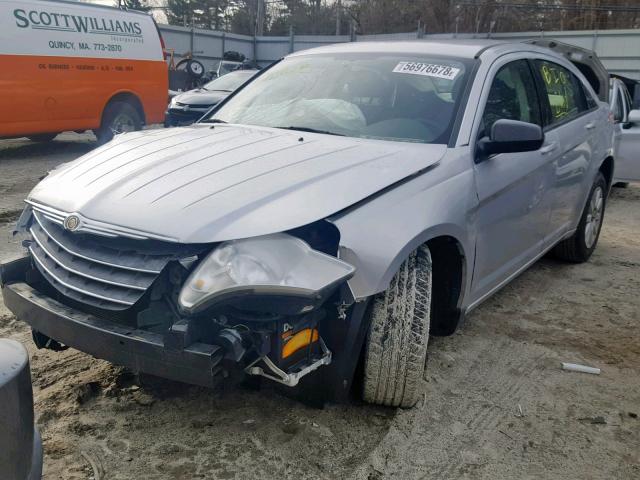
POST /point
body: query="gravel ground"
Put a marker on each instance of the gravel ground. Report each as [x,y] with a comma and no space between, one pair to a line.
[496,404]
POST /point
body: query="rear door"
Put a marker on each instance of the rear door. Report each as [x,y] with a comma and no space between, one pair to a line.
[572,117]
[626,137]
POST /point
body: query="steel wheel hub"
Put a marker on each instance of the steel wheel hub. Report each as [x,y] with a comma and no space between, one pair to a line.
[122,123]
[594,217]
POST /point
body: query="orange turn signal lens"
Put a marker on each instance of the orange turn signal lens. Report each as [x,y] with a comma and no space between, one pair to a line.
[299,340]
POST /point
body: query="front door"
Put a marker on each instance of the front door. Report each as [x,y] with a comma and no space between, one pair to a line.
[512,213]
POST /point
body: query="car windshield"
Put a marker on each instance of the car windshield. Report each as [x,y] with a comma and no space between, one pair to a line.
[381,96]
[229,82]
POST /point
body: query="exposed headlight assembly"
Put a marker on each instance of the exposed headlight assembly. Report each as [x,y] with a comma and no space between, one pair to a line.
[273,273]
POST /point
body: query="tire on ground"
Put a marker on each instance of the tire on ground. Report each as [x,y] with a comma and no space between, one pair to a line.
[575,248]
[42,137]
[396,348]
[116,118]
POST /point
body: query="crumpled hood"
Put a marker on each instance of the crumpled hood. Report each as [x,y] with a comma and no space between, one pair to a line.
[201,184]
[201,97]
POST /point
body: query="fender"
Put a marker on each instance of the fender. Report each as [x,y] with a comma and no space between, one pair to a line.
[379,235]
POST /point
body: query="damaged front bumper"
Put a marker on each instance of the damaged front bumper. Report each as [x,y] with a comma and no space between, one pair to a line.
[169,355]
[178,353]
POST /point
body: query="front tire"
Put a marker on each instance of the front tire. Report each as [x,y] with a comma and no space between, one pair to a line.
[396,348]
[579,247]
[118,117]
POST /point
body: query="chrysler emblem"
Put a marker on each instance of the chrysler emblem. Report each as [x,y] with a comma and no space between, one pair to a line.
[71,223]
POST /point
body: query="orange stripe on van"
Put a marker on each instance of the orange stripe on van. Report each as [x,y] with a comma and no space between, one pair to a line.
[52,94]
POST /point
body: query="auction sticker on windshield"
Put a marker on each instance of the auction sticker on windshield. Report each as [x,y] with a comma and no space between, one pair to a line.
[427,69]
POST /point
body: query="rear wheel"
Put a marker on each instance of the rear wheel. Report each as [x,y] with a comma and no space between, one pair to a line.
[579,247]
[396,346]
[42,137]
[118,117]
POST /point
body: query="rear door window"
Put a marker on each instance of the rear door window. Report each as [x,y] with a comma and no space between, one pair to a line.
[564,91]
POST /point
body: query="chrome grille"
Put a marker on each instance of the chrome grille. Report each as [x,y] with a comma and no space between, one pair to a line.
[85,269]
[92,226]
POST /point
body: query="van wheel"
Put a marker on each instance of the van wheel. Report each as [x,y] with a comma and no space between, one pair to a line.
[118,117]
[396,345]
[579,247]
[42,137]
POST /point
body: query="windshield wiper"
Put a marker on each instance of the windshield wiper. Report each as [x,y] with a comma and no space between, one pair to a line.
[213,120]
[311,130]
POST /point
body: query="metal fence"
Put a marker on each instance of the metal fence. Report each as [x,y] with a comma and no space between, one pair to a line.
[619,50]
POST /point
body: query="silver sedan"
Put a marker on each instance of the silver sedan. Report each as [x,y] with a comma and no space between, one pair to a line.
[336,210]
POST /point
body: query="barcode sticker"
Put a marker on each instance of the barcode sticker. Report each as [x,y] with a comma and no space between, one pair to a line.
[427,69]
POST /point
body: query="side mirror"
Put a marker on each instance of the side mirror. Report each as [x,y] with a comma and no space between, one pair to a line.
[510,136]
[634,116]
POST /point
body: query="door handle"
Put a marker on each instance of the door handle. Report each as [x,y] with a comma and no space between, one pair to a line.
[548,148]
[590,126]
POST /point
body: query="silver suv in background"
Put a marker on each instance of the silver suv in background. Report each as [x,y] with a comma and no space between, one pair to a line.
[626,134]
[336,210]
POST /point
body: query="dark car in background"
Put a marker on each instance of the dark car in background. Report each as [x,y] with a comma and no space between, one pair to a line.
[185,108]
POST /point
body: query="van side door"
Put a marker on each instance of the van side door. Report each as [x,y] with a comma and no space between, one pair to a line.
[574,119]
[626,148]
[512,213]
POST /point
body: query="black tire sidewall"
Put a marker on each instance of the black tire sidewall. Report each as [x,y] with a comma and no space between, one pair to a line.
[42,137]
[195,64]
[584,251]
[111,112]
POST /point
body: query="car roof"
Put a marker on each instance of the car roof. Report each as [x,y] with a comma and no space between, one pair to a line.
[469,48]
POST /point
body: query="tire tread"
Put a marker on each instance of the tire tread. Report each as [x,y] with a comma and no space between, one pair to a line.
[396,349]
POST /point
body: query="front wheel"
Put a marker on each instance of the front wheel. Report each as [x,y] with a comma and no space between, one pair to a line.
[118,117]
[396,346]
[579,247]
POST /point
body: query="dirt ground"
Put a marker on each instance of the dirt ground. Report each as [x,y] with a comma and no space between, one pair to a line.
[496,403]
